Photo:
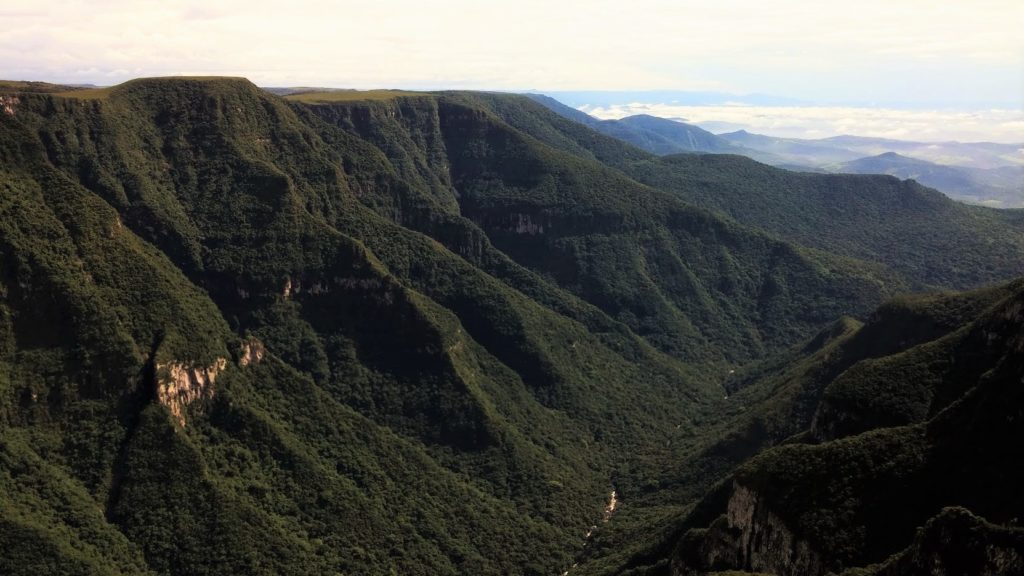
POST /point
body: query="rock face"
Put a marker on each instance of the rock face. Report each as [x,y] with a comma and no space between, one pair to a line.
[252,352]
[9,104]
[752,538]
[524,224]
[179,384]
[294,287]
[958,542]
[766,544]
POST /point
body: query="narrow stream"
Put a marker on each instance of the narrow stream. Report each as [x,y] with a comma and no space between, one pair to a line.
[609,509]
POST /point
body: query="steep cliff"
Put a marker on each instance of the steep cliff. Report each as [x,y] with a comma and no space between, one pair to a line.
[956,542]
[834,504]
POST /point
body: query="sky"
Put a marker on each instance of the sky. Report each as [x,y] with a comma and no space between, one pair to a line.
[935,54]
[923,125]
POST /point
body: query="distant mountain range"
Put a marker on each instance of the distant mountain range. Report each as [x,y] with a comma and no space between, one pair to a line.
[658,135]
[982,173]
[1001,187]
[845,148]
[985,173]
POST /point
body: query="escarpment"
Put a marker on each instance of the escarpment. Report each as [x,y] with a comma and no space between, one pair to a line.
[252,352]
[897,438]
[958,542]
[749,537]
[423,333]
[9,104]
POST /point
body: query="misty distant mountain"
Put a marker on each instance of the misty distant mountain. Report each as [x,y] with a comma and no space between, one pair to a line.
[971,154]
[657,135]
[904,167]
[792,150]
[662,136]
[981,173]
[677,134]
[819,152]
[1001,187]
[565,110]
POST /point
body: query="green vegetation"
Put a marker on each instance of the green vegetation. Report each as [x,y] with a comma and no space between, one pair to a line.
[927,238]
[325,97]
[14,86]
[930,241]
[860,499]
[655,135]
[956,541]
[396,332]
[86,93]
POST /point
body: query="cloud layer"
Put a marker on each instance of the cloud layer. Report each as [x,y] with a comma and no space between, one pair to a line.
[992,125]
[872,50]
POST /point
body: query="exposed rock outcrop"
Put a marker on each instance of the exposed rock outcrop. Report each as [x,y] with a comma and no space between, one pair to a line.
[179,385]
[525,224]
[316,287]
[958,542]
[766,544]
[253,351]
[748,537]
[9,104]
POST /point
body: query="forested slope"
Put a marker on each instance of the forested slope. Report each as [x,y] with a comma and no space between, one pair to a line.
[421,333]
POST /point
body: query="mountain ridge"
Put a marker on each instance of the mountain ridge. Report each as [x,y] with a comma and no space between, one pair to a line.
[425,333]
[651,133]
[999,181]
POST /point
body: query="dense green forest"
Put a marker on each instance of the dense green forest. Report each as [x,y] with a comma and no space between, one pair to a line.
[929,240]
[432,333]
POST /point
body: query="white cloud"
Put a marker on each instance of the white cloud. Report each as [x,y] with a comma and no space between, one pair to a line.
[874,48]
[992,125]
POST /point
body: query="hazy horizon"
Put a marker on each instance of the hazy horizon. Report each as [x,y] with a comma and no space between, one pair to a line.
[815,122]
[781,117]
[877,52]
[880,54]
